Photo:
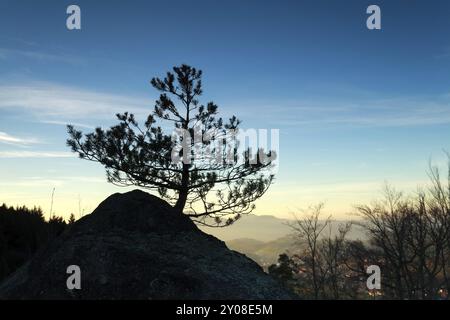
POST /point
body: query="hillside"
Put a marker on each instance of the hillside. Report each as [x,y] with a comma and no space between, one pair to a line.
[135,246]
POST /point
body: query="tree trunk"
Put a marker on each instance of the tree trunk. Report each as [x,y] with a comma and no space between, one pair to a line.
[182,195]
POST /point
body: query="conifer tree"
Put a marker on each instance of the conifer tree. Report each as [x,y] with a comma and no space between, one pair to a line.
[212,192]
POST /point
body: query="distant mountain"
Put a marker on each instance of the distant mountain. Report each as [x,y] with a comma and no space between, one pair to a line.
[264,253]
[261,228]
[264,238]
[266,228]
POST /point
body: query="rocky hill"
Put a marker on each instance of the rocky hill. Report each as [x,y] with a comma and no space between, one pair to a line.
[134,246]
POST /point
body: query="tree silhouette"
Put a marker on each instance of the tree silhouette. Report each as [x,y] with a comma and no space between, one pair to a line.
[211,190]
[71,219]
[23,232]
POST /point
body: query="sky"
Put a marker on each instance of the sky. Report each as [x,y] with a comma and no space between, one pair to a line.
[355,107]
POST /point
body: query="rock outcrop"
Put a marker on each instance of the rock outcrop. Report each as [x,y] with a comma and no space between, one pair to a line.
[134,246]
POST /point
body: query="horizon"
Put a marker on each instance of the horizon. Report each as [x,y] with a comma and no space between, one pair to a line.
[354,108]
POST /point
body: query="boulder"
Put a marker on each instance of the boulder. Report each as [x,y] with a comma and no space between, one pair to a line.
[135,246]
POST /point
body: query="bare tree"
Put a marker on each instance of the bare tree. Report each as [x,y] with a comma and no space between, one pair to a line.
[411,236]
[334,269]
[308,230]
[408,237]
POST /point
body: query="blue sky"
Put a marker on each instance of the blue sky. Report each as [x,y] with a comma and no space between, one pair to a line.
[354,107]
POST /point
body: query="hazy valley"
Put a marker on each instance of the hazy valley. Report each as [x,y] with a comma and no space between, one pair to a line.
[263,238]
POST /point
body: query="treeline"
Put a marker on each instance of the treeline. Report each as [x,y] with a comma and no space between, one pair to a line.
[408,237]
[22,232]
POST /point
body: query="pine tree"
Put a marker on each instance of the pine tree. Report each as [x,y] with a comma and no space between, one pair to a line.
[213,193]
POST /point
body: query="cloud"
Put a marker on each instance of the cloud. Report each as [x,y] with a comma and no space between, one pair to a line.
[347,190]
[33,183]
[35,154]
[64,123]
[53,102]
[8,139]
[58,104]
[53,181]
[7,54]
[357,112]
[445,53]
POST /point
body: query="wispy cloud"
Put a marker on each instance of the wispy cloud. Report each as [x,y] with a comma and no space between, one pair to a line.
[58,104]
[52,102]
[64,123]
[348,189]
[33,183]
[35,154]
[53,181]
[6,54]
[9,139]
[362,112]
[445,53]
